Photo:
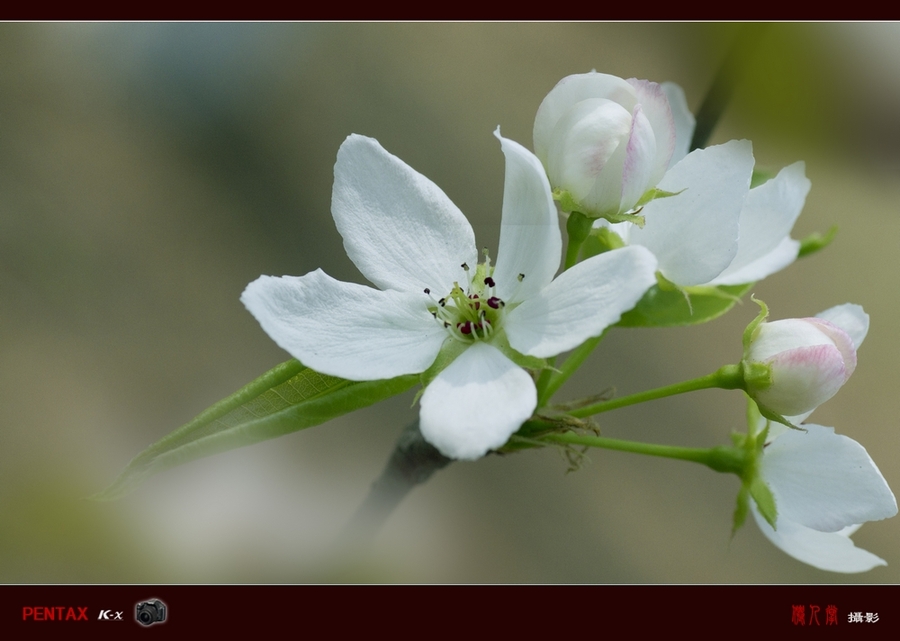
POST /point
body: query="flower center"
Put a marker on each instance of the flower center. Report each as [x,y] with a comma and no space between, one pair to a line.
[474,313]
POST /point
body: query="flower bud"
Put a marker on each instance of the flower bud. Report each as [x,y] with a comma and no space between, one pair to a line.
[608,141]
[792,366]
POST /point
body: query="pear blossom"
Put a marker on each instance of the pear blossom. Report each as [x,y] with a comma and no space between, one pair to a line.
[620,147]
[806,360]
[825,486]
[434,298]
[607,141]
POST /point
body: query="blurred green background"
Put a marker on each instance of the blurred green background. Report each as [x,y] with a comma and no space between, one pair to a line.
[149,172]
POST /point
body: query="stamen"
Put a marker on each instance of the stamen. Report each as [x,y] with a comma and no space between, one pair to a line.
[427,291]
[461,311]
[521,277]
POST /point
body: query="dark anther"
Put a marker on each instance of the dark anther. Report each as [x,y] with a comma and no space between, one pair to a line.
[521,277]
[465,328]
[494,302]
[434,314]
[465,266]
[490,282]
[427,291]
[442,302]
[446,324]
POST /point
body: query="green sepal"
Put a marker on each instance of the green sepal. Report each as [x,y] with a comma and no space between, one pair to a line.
[752,485]
[765,501]
[653,194]
[740,510]
[753,328]
[570,205]
[287,398]
[778,418]
[565,200]
[662,306]
[757,376]
[816,241]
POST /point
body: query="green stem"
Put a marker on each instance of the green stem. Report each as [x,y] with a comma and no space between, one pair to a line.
[544,381]
[721,458]
[728,377]
[556,378]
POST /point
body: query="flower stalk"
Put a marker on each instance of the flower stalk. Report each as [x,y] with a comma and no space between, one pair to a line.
[727,377]
[730,460]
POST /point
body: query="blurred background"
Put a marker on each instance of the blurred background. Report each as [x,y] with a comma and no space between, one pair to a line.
[149,172]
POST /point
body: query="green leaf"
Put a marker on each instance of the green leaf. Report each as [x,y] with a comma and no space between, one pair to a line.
[286,399]
[816,241]
[671,308]
[760,176]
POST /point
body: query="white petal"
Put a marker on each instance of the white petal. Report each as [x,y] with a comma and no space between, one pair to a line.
[683,118]
[586,155]
[775,429]
[476,404]
[399,228]
[638,171]
[802,379]
[786,334]
[694,234]
[825,481]
[654,103]
[776,260]
[850,318]
[582,302]
[606,195]
[530,240]
[570,91]
[832,551]
[842,341]
[767,220]
[346,330]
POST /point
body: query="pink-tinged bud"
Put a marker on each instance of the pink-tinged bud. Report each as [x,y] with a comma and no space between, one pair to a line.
[808,360]
[608,141]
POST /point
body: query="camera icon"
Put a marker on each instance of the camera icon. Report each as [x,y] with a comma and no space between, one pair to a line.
[150,612]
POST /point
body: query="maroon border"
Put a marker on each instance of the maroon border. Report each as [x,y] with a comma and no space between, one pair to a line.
[424,611]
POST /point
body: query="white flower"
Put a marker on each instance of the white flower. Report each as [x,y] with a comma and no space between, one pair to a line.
[411,241]
[808,359]
[608,142]
[765,245]
[824,486]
